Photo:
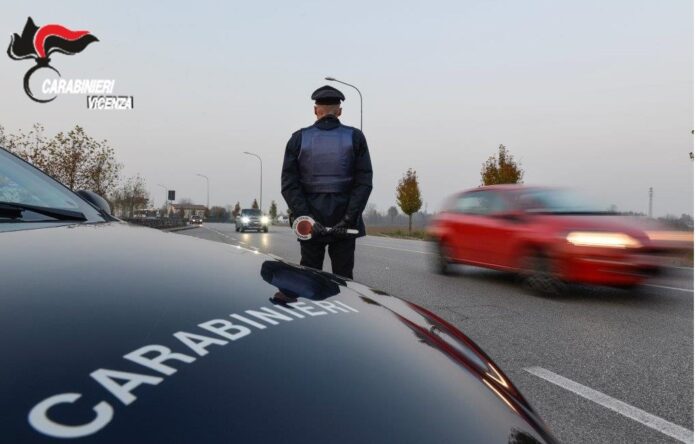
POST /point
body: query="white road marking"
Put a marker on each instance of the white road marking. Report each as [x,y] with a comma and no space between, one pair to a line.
[687,290]
[394,248]
[673,430]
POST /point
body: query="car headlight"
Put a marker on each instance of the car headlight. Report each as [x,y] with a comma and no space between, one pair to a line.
[601,239]
[264,219]
[245,220]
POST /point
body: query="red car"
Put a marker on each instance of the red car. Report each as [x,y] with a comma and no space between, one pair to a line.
[550,237]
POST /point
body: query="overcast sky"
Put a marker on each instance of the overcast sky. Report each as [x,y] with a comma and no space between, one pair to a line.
[593,94]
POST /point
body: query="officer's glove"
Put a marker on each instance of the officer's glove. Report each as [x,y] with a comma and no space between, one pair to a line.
[341,228]
[318,229]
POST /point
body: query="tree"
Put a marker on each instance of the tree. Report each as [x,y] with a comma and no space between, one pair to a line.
[273,210]
[236,211]
[3,137]
[130,196]
[30,146]
[218,214]
[75,159]
[392,212]
[408,195]
[504,169]
[255,205]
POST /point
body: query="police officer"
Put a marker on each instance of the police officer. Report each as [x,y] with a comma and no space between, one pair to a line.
[327,174]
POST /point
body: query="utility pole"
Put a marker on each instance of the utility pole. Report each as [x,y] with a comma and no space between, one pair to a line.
[166,200]
[260,179]
[650,203]
[207,188]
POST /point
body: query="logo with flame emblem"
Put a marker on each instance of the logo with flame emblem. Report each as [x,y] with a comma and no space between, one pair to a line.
[39,43]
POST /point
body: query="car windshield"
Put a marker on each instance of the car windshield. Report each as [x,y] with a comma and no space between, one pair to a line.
[22,187]
[251,212]
[555,200]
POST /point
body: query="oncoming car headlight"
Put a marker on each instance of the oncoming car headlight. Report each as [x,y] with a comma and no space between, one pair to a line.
[245,220]
[600,239]
[264,220]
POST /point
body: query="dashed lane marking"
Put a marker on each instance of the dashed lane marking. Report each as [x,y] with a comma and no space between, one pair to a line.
[656,423]
[687,290]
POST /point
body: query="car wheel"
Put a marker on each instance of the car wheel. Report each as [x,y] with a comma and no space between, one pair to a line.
[539,276]
[236,228]
[265,230]
[241,229]
[442,262]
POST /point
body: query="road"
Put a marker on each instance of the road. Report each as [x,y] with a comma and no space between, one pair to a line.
[598,364]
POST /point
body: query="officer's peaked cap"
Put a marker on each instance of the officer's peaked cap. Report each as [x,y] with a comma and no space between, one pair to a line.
[327,95]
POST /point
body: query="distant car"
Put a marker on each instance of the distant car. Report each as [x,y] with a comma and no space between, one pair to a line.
[108,345]
[196,220]
[252,219]
[282,219]
[550,236]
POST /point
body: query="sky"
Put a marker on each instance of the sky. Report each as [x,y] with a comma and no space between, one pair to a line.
[596,95]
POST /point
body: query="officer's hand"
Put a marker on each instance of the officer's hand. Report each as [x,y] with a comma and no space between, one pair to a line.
[341,228]
[318,229]
[343,224]
[340,231]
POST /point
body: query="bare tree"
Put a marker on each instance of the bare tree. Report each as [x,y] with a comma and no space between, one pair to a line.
[392,212]
[130,196]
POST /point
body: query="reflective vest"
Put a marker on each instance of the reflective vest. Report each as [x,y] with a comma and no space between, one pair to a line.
[326,160]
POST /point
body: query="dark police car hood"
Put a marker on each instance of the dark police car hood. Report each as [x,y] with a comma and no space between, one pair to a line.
[116,333]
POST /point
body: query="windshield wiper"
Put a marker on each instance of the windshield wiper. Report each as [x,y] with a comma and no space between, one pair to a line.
[15,209]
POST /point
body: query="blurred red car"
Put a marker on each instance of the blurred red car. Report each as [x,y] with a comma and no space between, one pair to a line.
[550,236]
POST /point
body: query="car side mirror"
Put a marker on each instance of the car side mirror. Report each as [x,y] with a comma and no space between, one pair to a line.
[96,200]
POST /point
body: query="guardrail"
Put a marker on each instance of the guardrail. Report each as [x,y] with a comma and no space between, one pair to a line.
[159,224]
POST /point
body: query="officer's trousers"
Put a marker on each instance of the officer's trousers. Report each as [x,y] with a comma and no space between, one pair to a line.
[342,254]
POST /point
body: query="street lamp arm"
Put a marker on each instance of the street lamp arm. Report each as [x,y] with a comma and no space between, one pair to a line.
[333,79]
[252,154]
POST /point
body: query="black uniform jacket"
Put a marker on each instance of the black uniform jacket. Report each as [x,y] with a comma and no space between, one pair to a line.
[328,208]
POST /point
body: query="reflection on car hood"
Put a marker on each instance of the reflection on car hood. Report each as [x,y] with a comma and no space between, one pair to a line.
[268,351]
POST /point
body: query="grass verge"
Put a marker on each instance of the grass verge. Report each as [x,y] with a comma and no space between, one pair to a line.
[397,232]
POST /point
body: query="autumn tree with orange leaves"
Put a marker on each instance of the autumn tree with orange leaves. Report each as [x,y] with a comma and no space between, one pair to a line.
[408,195]
[501,169]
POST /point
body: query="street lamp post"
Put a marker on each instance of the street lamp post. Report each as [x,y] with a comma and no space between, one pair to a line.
[166,192]
[207,183]
[166,199]
[332,79]
[260,178]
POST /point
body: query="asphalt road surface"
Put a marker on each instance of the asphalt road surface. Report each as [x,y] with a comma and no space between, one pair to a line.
[598,364]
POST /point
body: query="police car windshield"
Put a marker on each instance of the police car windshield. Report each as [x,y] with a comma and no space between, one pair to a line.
[25,186]
[251,212]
